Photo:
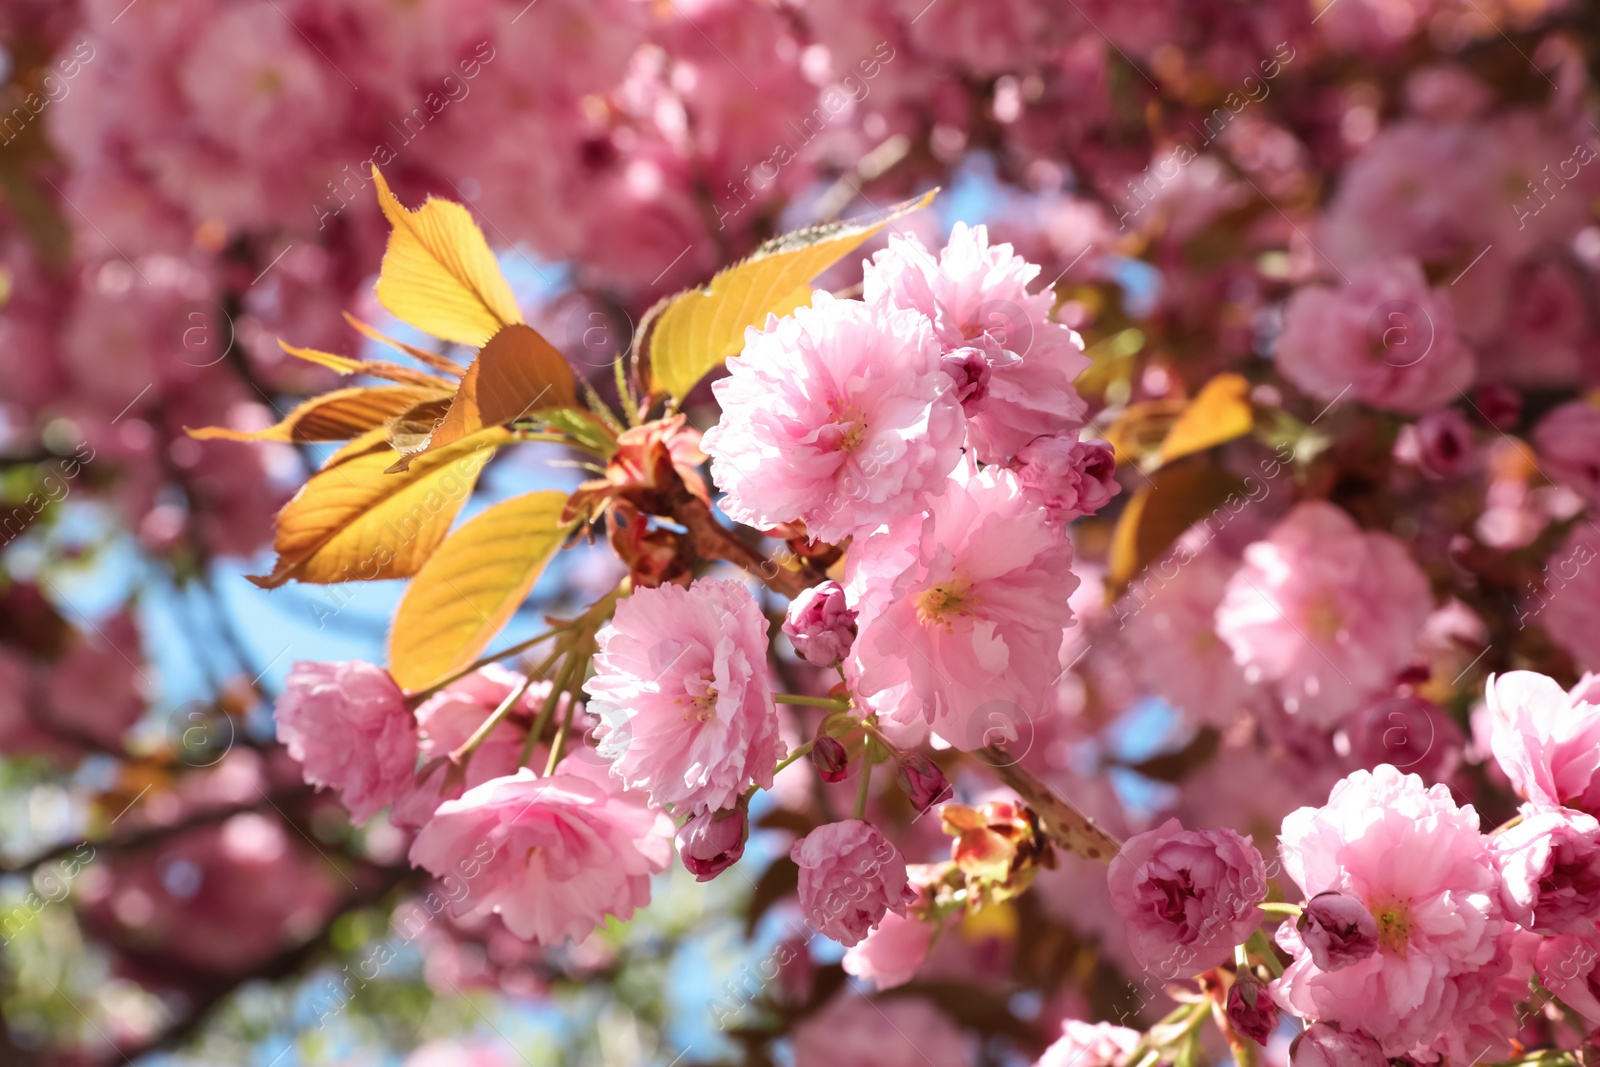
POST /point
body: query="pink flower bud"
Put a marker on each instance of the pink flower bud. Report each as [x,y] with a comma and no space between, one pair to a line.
[1186,896]
[1323,1046]
[1251,1010]
[821,626]
[831,759]
[921,780]
[712,841]
[1439,444]
[1337,930]
[970,369]
[1501,406]
[1068,476]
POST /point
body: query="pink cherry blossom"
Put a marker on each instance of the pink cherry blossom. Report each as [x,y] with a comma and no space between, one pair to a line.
[821,624]
[1326,612]
[1550,864]
[961,617]
[1384,339]
[1568,442]
[1547,740]
[446,720]
[837,416]
[978,292]
[1426,873]
[348,726]
[892,952]
[850,877]
[1083,1044]
[551,856]
[1186,896]
[1337,929]
[680,686]
[1569,966]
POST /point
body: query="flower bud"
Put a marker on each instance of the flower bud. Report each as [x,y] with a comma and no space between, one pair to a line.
[1068,476]
[831,758]
[921,780]
[1323,1046]
[821,626]
[1500,405]
[712,841]
[1337,930]
[1251,1010]
[970,369]
[1439,445]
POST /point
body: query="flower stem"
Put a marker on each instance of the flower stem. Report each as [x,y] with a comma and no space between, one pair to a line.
[470,745]
[1273,908]
[547,709]
[1259,944]
[863,788]
[791,757]
[814,702]
[569,671]
[483,661]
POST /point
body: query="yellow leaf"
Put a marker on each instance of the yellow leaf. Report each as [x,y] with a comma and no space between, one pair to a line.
[438,273]
[1219,412]
[421,355]
[697,330]
[336,416]
[517,373]
[353,522]
[377,368]
[472,586]
[1176,498]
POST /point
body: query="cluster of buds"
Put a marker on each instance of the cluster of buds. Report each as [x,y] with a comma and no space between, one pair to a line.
[653,468]
[998,848]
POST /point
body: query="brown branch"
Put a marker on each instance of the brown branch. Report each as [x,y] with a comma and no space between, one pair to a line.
[712,540]
[1066,825]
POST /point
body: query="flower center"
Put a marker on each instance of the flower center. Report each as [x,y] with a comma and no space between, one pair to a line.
[939,604]
[1324,619]
[1394,925]
[700,696]
[848,427]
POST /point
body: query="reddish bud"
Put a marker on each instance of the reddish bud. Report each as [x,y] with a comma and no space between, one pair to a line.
[712,841]
[921,780]
[831,759]
[1251,1011]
